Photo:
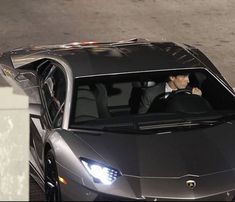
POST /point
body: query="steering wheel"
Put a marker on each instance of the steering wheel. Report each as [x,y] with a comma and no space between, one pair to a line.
[178,92]
[160,102]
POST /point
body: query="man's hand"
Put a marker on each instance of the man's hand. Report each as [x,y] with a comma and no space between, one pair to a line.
[196,91]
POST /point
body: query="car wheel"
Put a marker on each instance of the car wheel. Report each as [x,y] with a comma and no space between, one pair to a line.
[52,189]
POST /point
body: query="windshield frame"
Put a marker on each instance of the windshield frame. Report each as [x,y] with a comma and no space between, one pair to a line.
[138,73]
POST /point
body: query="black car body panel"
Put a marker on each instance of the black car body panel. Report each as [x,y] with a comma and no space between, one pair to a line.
[202,152]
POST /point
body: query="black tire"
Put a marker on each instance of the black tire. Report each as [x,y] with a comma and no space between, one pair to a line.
[52,187]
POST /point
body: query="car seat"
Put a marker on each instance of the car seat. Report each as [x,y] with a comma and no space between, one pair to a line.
[91,103]
[86,108]
[101,97]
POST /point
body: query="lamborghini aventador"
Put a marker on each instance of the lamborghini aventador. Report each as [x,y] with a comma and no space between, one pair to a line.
[88,140]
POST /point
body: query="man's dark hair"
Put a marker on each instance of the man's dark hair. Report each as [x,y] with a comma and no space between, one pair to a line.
[177,73]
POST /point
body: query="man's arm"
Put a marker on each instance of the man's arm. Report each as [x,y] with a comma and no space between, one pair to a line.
[149,94]
[144,103]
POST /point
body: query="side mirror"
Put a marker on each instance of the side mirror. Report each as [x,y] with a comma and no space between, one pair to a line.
[35,109]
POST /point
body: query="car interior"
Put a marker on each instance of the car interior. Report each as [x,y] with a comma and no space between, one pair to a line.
[120,96]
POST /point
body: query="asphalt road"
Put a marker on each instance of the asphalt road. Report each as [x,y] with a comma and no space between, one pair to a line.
[207,24]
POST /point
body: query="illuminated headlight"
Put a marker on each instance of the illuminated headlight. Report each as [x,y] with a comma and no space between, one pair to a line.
[99,172]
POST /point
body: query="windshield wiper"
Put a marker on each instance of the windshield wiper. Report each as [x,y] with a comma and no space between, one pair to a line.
[166,125]
[129,127]
[179,124]
[138,125]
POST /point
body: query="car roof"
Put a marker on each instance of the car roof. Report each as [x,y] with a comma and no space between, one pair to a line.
[112,58]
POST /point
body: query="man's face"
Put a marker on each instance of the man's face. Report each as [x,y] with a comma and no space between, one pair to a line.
[180,81]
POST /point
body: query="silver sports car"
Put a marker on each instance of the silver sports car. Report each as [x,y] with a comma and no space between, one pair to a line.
[89,140]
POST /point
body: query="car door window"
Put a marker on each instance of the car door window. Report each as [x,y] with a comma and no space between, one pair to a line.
[54,90]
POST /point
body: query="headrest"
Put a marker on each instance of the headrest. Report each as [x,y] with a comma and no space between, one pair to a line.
[145,84]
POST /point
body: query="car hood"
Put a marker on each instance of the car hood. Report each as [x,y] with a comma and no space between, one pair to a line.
[199,151]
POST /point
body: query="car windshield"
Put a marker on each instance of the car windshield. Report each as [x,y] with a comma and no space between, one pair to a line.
[143,101]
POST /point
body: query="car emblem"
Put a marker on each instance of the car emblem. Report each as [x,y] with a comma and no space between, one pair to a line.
[191,184]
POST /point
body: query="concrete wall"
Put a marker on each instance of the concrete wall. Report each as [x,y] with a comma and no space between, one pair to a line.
[14,142]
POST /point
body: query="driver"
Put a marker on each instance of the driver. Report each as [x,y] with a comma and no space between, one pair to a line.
[173,83]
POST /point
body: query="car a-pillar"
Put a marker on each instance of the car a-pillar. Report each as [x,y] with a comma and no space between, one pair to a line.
[14,142]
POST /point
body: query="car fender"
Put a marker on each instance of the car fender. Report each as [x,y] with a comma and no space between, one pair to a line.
[68,148]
